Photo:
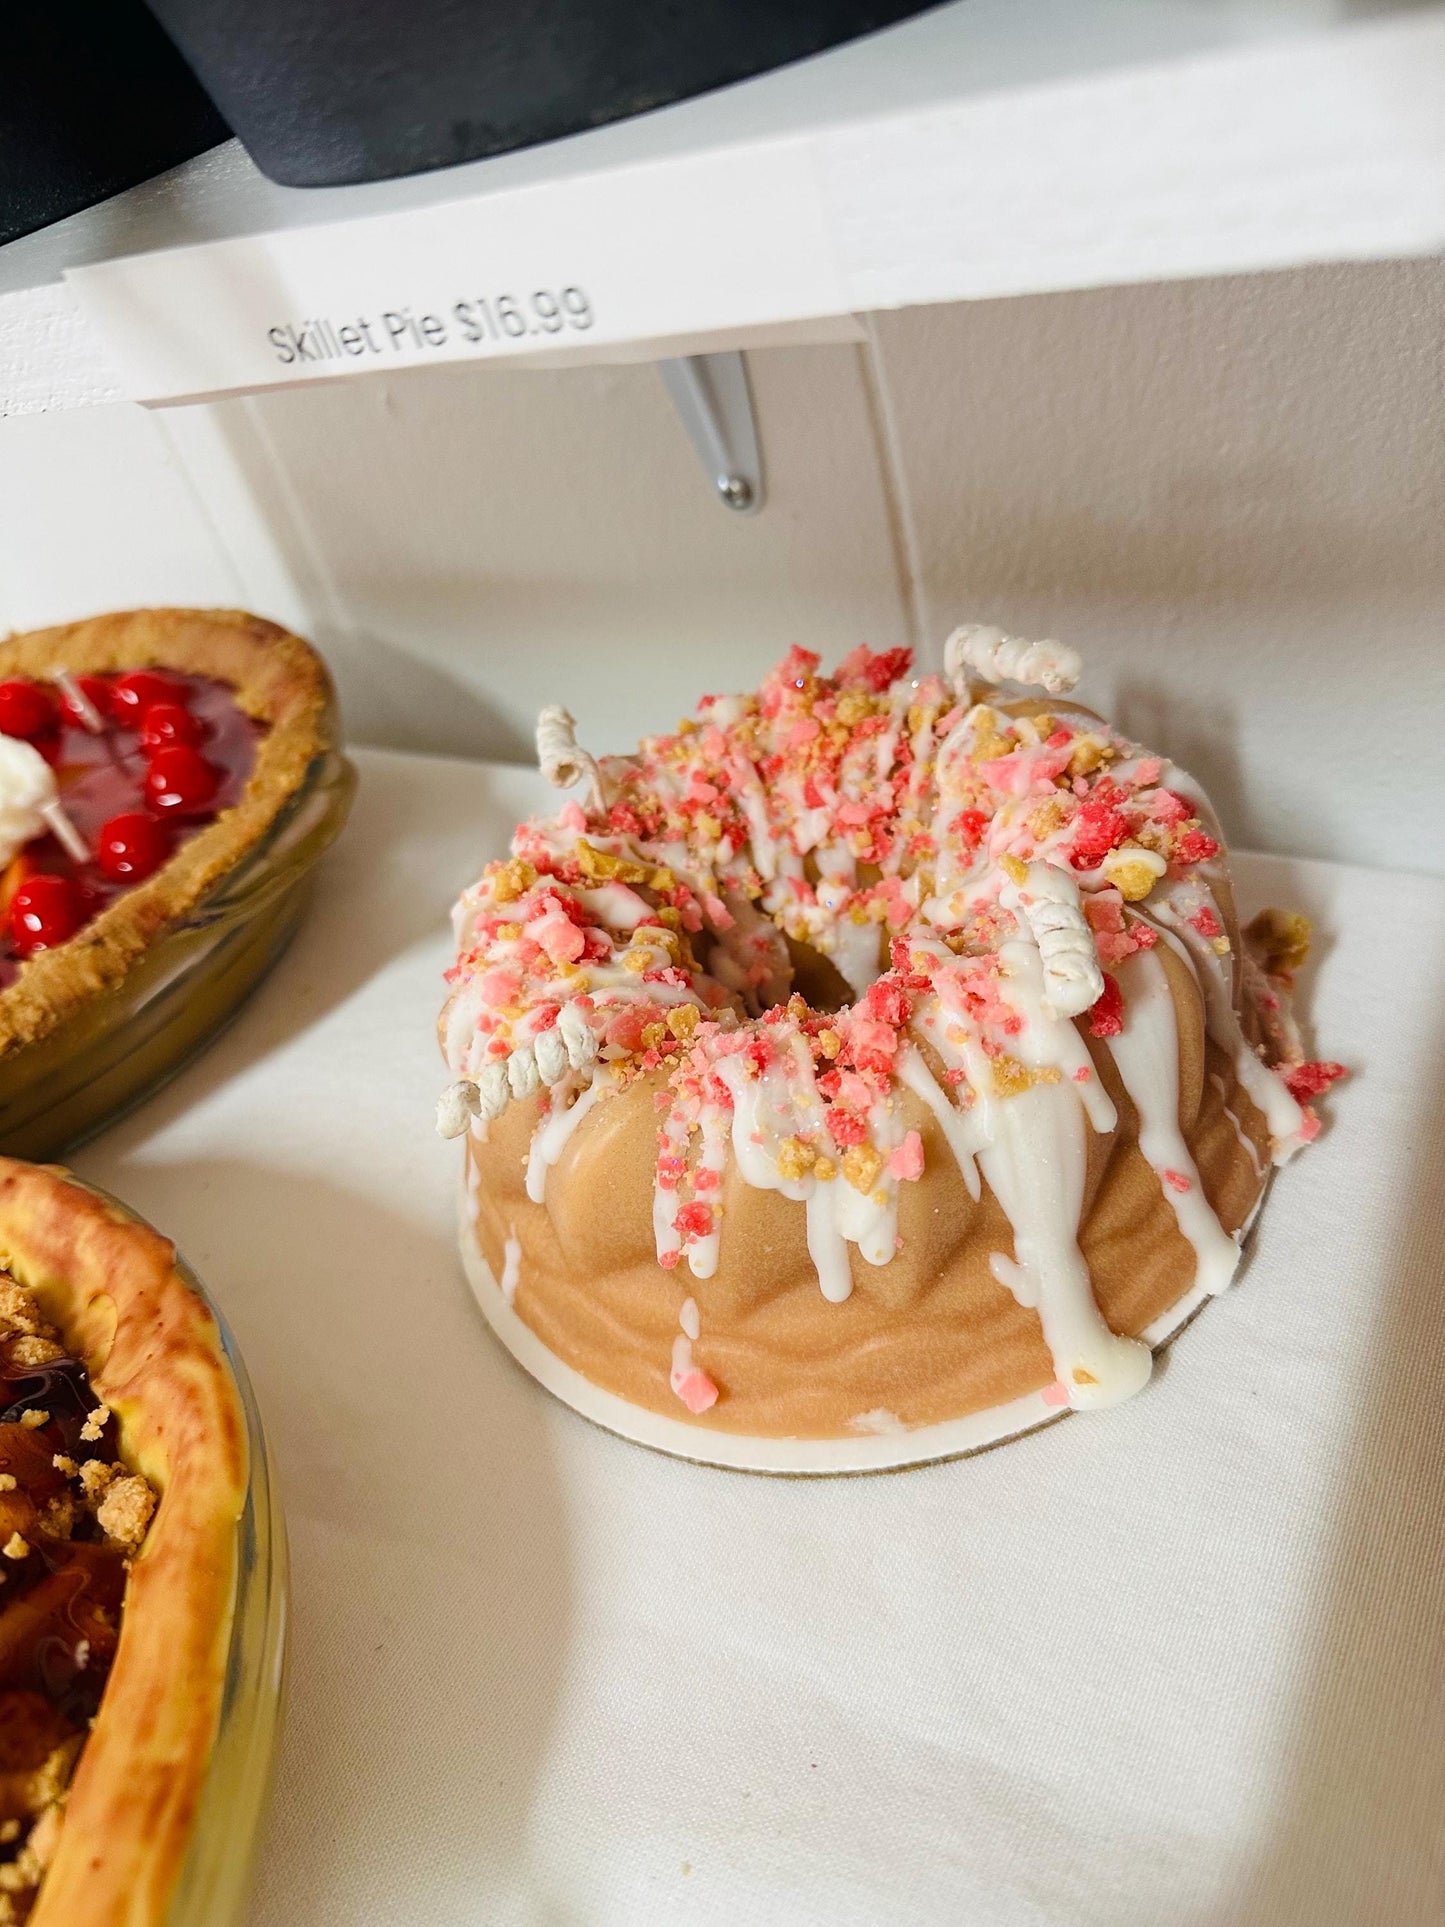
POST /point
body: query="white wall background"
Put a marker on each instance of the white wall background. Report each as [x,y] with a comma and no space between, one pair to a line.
[1230,494]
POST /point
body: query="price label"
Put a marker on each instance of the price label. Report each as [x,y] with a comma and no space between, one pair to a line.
[481,321]
[703,244]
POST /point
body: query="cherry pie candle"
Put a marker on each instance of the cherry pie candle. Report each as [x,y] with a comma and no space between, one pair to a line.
[167,777]
[162,756]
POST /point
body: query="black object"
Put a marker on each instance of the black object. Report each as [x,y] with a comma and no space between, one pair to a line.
[328,91]
[93,98]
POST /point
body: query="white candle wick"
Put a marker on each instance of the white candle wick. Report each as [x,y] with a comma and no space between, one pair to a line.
[85,709]
[65,832]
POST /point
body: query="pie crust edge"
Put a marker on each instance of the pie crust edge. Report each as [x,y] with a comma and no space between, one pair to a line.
[153,1351]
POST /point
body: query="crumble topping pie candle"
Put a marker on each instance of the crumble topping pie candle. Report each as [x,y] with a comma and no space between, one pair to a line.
[128,1532]
[870,1069]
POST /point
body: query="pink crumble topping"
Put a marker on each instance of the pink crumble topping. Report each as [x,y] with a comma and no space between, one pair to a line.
[693,1221]
[1206,923]
[696,1390]
[1106,1015]
[1304,1081]
[906,1163]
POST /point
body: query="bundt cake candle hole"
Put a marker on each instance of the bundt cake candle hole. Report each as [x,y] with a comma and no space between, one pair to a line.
[817,979]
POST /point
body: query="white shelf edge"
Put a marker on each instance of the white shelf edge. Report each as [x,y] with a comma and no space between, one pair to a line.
[1325,144]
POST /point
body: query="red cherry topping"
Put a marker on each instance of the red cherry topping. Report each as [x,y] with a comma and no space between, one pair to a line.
[26,709]
[132,695]
[180,782]
[167,723]
[132,846]
[97,688]
[45,912]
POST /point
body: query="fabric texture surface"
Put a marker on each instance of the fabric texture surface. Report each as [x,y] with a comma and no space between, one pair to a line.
[1182,1661]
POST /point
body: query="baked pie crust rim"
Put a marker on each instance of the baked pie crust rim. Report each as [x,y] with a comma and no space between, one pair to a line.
[154,1353]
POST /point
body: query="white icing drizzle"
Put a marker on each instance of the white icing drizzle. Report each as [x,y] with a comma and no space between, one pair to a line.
[767,1109]
[554,1133]
[1035,1167]
[511,1267]
[1246,1142]
[962,1128]
[664,1198]
[853,948]
[703,1253]
[879,1423]
[691,1384]
[1046,1043]
[827,1247]
[1146,1052]
[1264,1088]
[782,1103]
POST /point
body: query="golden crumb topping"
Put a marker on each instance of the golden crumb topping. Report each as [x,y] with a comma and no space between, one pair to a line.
[72,1517]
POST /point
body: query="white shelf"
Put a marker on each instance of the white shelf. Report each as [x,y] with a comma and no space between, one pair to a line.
[984,149]
[1174,1662]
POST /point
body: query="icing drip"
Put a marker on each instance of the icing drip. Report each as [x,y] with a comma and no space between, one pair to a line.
[963,1129]
[1264,1088]
[554,1133]
[1035,1168]
[693,1386]
[767,1112]
[511,1267]
[1146,1051]
[879,1423]
[1246,1142]
[702,1251]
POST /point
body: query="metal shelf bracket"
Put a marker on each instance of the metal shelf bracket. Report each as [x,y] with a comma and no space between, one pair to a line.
[710,393]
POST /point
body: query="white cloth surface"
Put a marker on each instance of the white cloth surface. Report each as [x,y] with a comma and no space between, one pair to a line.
[1180,1662]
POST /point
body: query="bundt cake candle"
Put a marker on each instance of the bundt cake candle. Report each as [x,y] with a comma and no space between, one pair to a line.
[870,1069]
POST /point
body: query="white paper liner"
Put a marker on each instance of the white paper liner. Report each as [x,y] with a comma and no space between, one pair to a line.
[737,1451]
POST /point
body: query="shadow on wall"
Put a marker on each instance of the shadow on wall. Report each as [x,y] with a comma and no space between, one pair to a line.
[433,712]
[430,710]
[1358,1838]
[1260,439]
[1200,730]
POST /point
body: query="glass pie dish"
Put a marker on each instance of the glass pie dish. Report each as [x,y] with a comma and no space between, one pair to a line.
[216,1875]
[107,1055]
